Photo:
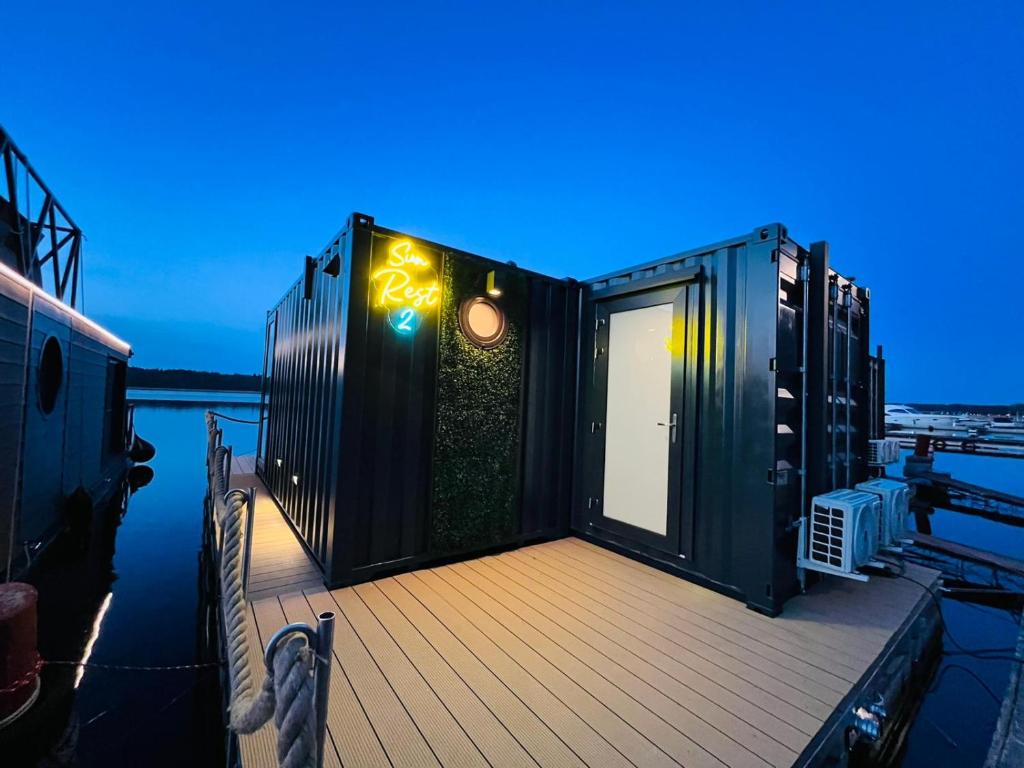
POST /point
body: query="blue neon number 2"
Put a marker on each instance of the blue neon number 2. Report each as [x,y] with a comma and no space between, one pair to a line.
[405,318]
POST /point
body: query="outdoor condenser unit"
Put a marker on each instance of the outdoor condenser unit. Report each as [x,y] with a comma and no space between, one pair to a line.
[895,498]
[841,533]
[882,452]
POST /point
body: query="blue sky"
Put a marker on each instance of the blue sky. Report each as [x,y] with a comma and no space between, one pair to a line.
[205,150]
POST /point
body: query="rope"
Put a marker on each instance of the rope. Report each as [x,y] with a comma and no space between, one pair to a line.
[134,667]
[234,418]
[26,679]
[220,481]
[287,690]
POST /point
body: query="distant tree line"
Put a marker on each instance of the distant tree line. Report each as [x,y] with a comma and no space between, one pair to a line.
[968,408]
[178,378]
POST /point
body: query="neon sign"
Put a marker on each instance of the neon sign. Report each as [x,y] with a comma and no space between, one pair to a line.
[406,286]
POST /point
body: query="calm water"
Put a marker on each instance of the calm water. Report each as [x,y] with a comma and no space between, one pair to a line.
[154,612]
[154,616]
[187,396]
[956,721]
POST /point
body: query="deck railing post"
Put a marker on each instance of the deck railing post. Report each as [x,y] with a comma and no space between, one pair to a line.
[250,511]
[322,678]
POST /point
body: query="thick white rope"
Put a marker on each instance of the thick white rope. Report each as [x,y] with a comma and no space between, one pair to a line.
[287,690]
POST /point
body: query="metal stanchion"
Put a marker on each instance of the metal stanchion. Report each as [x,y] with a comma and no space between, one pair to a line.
[322,678]
[321,640]
[250,513]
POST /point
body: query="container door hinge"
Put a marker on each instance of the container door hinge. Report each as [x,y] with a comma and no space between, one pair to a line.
[773,364]
[595,426]
[592,502]
[598,349]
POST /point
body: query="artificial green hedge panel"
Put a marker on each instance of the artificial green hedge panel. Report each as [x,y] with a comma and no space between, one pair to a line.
[476,438]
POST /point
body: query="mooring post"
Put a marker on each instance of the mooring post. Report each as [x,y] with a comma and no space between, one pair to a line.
[322,678]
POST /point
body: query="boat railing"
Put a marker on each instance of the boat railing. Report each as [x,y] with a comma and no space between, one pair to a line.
[297,657]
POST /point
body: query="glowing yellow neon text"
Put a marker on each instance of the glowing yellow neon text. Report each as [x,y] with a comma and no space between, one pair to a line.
[406,280]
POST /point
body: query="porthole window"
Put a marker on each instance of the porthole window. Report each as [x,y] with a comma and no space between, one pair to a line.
[483,322]
[51,374]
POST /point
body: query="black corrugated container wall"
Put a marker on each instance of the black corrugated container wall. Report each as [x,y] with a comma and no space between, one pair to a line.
[742,410]
[388,451]
[365,426]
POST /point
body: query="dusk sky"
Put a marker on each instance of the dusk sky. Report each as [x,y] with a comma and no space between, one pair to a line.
[204,151]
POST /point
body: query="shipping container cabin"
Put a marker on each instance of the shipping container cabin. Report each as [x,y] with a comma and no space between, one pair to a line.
[423,403]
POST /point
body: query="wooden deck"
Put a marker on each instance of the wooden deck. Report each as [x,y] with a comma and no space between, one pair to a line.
[564,654]
[279,562]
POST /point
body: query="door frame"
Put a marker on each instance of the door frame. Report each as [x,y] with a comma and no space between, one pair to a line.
[682,289]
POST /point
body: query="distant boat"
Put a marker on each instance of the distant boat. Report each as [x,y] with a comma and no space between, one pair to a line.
[1006,425]
[908,417]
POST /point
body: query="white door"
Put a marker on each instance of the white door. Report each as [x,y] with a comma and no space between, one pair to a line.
[638,423]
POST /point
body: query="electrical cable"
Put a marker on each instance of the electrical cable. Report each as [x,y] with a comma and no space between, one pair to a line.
[979,653]
[976,653]
[942,673]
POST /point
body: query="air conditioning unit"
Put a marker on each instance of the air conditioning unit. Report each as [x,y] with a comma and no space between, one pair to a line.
[840,534]
[882,452]
[895,498]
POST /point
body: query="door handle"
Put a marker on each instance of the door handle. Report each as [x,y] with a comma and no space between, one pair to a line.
[671,424]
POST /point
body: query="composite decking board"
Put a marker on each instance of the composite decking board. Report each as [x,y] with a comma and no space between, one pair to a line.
[494,741]
[794,638]
[266,573]
[279,564]
[348,725]
[805,619]
[398,733]
[647,584]
[677,708]
[802,661]
[689,642]
[566,653]
[671,669]
[290,589]
[731,611]
[532,732]
[275,582]
[259,748]
[624,722]
[448,740]
[608,688]
[576,732]
[245,465]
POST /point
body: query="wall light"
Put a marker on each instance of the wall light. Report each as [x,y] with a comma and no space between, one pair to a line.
[493,288]
[483,322]
[295,479]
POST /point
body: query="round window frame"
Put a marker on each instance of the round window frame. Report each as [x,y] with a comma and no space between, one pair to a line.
[43,377]
[475,339]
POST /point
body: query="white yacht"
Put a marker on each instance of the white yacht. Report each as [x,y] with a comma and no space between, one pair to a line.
[907,417]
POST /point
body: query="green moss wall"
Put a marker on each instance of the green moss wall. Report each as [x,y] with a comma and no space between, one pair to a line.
[475,500]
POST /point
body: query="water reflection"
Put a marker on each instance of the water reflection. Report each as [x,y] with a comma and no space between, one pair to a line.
[959,712]
[126,589]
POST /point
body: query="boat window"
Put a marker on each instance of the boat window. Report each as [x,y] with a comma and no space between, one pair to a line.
[51,374]
[116,406]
